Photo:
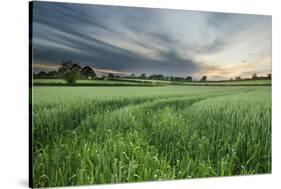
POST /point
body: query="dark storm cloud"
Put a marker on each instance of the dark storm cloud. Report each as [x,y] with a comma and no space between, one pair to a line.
[59,33]
[84,49]
[130,39]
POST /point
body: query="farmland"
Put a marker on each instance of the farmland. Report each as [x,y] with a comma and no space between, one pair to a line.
[93,135]
[107,82]
[149,82]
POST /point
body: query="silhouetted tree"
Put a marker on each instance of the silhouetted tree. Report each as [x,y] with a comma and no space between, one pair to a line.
[41,74]
[160,76]
[70,71]
[153,76]
[111,75]
[143,76]
[178,79]
[254,76]
[52,74]
[238,78]
[133,75]
[88,72]
[171,78]
[204,78]
[157,76]
[189,78]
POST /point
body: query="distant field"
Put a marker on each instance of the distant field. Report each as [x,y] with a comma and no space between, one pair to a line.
[226,83]
[60,82]
[147,82]
[142,80]
[93,135]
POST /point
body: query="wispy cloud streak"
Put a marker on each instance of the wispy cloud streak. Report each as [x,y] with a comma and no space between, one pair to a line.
[137,40]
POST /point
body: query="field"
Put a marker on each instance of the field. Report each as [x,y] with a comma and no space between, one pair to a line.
[262,82]
[148,82]
[107,82]
[94,135]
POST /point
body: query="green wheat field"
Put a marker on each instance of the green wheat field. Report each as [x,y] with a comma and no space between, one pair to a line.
[95,135]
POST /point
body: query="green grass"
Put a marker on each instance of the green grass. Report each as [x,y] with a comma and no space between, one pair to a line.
[147,82]
[93,135]
[262,82]
[79,81]
[108,82]
[143,80]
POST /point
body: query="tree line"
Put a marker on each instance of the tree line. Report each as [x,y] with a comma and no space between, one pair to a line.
[68,71]
[71,72]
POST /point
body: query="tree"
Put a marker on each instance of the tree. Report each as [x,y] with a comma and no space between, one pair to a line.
[157,76]
[88,72]
[171,78]
[143,76]
[153,76]
[178,78]
[42,74]
[269,76]
[52,74]
[254,76]
[238,78]
[133,75]
[189,78]
[160,77]
[111,75]
[204,78]
[70,71]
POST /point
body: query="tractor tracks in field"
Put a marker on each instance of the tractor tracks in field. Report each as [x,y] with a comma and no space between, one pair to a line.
[72,115]
[160,102]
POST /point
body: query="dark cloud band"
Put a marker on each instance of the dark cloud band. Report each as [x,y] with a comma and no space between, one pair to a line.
[91,35]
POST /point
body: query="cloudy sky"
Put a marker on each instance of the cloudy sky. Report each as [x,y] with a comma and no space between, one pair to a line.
[125,40]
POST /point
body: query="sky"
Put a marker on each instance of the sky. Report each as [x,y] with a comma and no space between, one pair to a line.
[126,40]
